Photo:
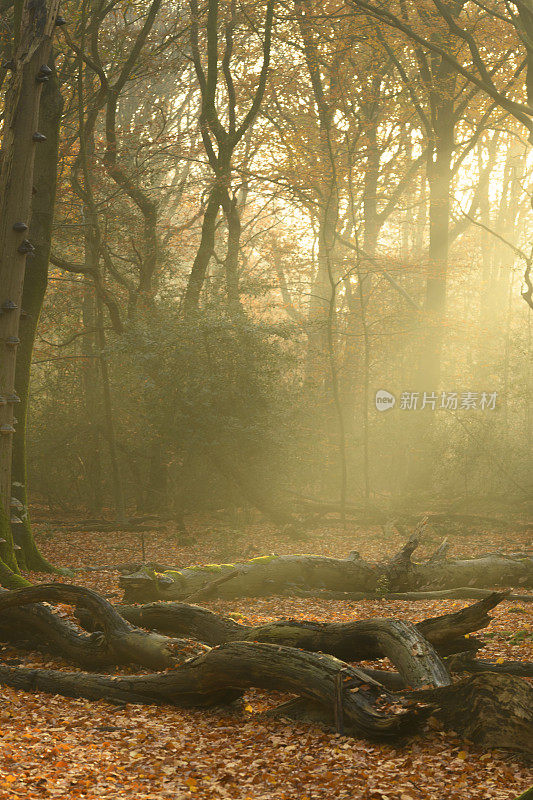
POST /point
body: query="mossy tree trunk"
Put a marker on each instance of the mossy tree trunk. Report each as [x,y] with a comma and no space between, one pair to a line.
[308,574]
[10,576]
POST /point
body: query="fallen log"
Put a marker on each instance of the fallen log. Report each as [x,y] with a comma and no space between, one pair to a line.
[462,593]
[467,662]
[210,589]
[224,673]
[494,711]
[324,507]
[349,641]
[440,553]
[490,709]
[270,575]
[359,704]
[456,664]
[36,627]
[402,642]
[378,515]
[115,640]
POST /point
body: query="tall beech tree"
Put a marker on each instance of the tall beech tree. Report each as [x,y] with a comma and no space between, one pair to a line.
[34,24]
[35,284]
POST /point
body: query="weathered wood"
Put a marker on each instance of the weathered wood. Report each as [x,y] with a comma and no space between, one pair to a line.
[489,709]
[224,673]
[462,593]
[494,711]
[458,663]
[447,632]
[479,708]
[272,575]
[37,627]
[467,662]
[210,589]
[125,643]
[351,641]
[401,642]
[440,553]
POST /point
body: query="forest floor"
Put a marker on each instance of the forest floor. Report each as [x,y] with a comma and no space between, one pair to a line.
[57,747]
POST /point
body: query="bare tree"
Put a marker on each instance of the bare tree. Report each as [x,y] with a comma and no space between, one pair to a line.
[220,141]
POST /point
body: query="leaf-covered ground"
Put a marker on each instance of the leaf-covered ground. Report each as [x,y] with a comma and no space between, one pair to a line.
[59,747]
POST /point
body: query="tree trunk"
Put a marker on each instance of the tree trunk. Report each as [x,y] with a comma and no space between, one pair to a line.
[35,283]
[350,641]
[439,179]
[21,137]
[91,388]
[117,640]
[271,575]
[491,709]
[10,576]
[155,492]
[223,674]
[231,262]
[191,298]
[109,421]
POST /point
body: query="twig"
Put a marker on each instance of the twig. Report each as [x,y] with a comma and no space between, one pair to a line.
[206,590]
[527,293]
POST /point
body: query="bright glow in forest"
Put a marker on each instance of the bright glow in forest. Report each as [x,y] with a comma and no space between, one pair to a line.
[266,399]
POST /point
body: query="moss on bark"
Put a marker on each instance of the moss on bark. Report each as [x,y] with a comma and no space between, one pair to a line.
[10,576]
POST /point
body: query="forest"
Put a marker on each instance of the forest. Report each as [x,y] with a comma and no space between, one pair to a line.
[266,399]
